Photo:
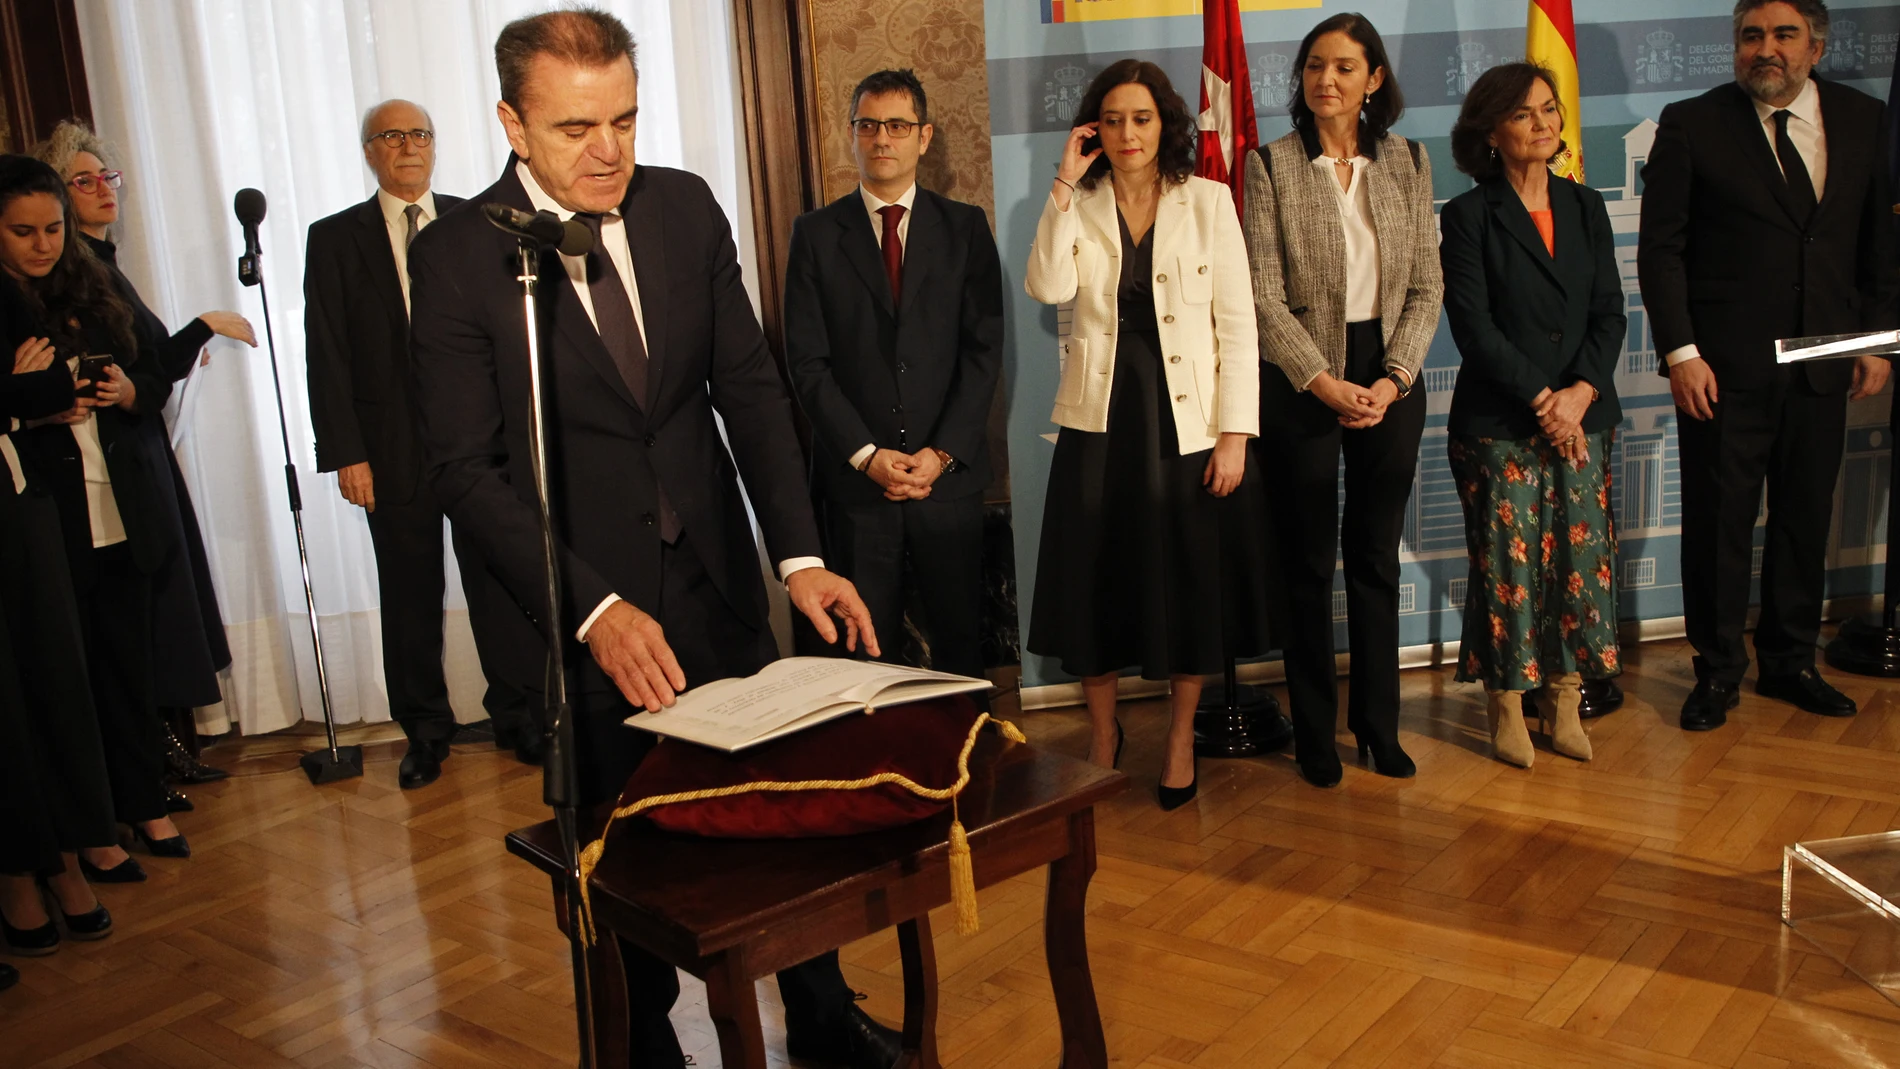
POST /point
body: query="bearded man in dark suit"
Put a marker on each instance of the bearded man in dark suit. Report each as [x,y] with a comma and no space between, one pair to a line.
[1765,210]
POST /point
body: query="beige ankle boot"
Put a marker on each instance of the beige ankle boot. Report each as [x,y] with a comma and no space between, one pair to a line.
[1557,709]
[1509,739]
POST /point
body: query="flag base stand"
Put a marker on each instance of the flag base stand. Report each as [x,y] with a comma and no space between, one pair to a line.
[1866,647]
[332,765]
[1236,720]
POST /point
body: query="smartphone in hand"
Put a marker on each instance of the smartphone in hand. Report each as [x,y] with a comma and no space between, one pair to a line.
[93,369]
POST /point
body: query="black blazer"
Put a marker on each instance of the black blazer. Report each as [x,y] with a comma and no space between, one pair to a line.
[706,354]
[920,374]
[356,349]
[1526,319]
[1724,262]
[38,393]
[141,482]
[174,352]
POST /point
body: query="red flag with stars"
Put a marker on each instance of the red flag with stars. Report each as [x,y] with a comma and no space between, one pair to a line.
[1226,119]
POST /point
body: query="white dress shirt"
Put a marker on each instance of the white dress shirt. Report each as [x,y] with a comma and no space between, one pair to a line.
[1809,135]
[396,218]
[16,474]
[1362,240]
[102,508]
[613,240]
[871,205]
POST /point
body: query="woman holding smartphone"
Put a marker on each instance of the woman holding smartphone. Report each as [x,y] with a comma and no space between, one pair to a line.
[54,797]
[107,489]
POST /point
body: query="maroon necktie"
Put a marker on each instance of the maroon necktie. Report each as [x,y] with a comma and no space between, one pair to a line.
[893,251]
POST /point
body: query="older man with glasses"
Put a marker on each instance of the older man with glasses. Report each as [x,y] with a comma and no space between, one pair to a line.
[356,333]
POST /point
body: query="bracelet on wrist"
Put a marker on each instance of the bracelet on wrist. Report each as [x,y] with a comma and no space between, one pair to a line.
[1066,182]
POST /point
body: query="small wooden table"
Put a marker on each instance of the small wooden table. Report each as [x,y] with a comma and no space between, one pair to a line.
[731,911]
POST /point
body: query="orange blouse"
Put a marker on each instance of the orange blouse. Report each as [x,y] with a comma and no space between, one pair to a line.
[1547,229]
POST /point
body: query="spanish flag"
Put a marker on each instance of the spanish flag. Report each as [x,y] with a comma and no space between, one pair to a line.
[1551,42]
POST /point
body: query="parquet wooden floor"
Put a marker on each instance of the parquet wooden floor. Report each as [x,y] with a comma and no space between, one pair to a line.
[1621,913]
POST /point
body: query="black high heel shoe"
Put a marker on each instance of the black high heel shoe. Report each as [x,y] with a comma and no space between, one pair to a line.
[1119,739]
[176,846]
[127,871]
[1320,770]
[31,942]
[1172,798]
[1386,759]
[95,923]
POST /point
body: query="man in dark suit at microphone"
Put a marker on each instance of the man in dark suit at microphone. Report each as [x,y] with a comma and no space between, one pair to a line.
[644,340]
[356,336]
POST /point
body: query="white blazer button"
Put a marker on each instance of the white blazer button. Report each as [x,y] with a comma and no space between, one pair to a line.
[1179,398]
[1203,270]
[1174,359]
[1161,278]
[1075,250]
[1167,319]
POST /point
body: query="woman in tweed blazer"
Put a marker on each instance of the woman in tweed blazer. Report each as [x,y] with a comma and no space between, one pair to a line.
[1346,288]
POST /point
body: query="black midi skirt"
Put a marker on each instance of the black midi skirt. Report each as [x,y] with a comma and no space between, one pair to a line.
[1139,565]
[54,794]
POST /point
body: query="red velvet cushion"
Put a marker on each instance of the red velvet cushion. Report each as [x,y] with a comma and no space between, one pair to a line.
[921,741]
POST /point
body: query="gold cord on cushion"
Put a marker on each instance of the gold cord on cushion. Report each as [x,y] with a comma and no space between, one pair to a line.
[962,872]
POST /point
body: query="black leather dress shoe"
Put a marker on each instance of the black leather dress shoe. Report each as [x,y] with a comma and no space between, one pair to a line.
[1708,705]
[176,802]
[853,1041]
[1807,690]
[422,764]
[529,748]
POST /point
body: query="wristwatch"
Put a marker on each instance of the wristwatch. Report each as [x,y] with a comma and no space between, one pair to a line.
[950,463]
[1398,380]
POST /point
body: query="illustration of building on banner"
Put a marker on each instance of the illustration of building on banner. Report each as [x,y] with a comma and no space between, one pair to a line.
[1646,490]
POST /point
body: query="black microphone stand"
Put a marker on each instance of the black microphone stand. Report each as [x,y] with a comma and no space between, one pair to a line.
[560,780]
[337,762]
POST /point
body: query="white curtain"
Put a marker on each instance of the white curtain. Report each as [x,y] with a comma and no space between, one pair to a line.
[203,97]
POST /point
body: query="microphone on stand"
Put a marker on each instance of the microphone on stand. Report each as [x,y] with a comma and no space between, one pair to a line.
[542,228]
[249,206]
[336,762]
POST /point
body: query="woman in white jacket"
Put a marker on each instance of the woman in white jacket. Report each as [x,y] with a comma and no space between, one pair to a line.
[1159,394]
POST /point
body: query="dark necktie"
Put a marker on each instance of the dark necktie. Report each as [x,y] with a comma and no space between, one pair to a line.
[413,213]
[613,317]
[1793,168]
[893,251]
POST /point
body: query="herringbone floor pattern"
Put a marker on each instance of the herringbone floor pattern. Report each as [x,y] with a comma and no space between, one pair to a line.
[1621,913]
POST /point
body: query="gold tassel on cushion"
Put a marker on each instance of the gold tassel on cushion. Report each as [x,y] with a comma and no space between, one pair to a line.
[962,870]
[962,879]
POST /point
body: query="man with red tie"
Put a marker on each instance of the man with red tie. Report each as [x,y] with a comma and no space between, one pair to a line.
[893,335]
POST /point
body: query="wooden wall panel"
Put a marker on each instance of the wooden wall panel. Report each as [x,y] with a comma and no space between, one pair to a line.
[44,71]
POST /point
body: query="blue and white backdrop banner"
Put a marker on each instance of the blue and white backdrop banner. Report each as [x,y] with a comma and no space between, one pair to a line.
[1635,57]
